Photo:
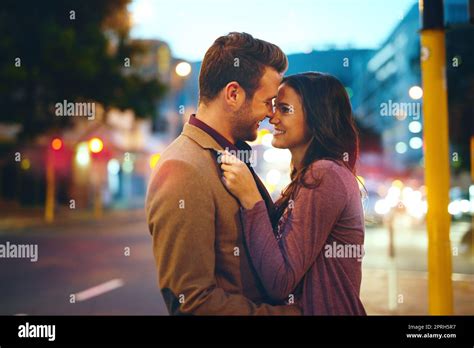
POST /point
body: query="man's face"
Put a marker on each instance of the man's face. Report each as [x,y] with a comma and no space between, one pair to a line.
[248,117]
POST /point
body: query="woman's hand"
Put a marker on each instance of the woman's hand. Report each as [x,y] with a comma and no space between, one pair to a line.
[238,179]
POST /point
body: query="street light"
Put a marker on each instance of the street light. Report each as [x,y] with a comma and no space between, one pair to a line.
[82,155]
[415,126]
[25,164]
[401,147]
[416,143]
[183,69]
[96,145]
[415,92]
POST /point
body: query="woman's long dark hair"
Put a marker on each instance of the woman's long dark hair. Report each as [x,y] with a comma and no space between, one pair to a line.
[328,116]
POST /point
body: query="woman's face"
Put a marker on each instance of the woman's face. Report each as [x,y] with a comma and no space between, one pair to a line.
[291,131]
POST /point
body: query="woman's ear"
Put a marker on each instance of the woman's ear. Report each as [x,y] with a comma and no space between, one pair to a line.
[234,95]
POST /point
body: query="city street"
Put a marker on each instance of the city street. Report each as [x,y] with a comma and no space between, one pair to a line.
[88,259]
[78,256]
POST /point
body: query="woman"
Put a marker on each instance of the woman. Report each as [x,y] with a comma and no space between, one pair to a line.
[310,249]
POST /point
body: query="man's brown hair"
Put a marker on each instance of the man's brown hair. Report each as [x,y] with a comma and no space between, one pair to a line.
[238,57]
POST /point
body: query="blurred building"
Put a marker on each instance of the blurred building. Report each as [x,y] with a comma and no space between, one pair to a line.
[122,168]
[342,63]
[132,146]
[390,101]
[390,87]
[154,62]
[456,11]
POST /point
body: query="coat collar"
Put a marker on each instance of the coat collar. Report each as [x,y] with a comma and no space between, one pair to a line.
[201,137]
[209,138]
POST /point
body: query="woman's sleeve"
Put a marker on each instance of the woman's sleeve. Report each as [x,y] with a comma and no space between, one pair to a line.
[281,264]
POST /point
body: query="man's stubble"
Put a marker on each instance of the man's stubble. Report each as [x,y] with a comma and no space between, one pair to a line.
[243,125]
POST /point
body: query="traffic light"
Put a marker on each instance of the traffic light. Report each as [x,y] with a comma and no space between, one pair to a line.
[96,145]
[56,144]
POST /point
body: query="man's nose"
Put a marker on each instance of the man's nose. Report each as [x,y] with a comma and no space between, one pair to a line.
[271,112]
[274,118]
[270,115]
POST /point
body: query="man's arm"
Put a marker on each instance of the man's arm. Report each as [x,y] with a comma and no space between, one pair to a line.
[180,213]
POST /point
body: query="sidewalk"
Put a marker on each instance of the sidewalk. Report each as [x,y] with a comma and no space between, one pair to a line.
[412,293]
[21,219]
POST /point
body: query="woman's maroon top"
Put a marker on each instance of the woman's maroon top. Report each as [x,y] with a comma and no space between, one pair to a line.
[315,256]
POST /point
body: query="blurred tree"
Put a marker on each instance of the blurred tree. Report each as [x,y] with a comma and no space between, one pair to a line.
[67,50]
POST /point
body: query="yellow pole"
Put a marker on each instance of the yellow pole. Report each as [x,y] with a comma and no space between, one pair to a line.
[436,143]
[96,182]
[50,190]
[472,157]
[472,179]
[98,206]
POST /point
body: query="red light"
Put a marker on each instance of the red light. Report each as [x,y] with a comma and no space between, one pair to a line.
[57,144]
[96,145]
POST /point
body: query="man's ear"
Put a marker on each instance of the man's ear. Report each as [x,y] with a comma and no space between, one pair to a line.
[234,95]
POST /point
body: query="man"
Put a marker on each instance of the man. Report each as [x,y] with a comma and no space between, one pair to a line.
[203,267]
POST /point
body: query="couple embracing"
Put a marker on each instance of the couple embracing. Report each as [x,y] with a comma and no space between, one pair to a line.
[221,245]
